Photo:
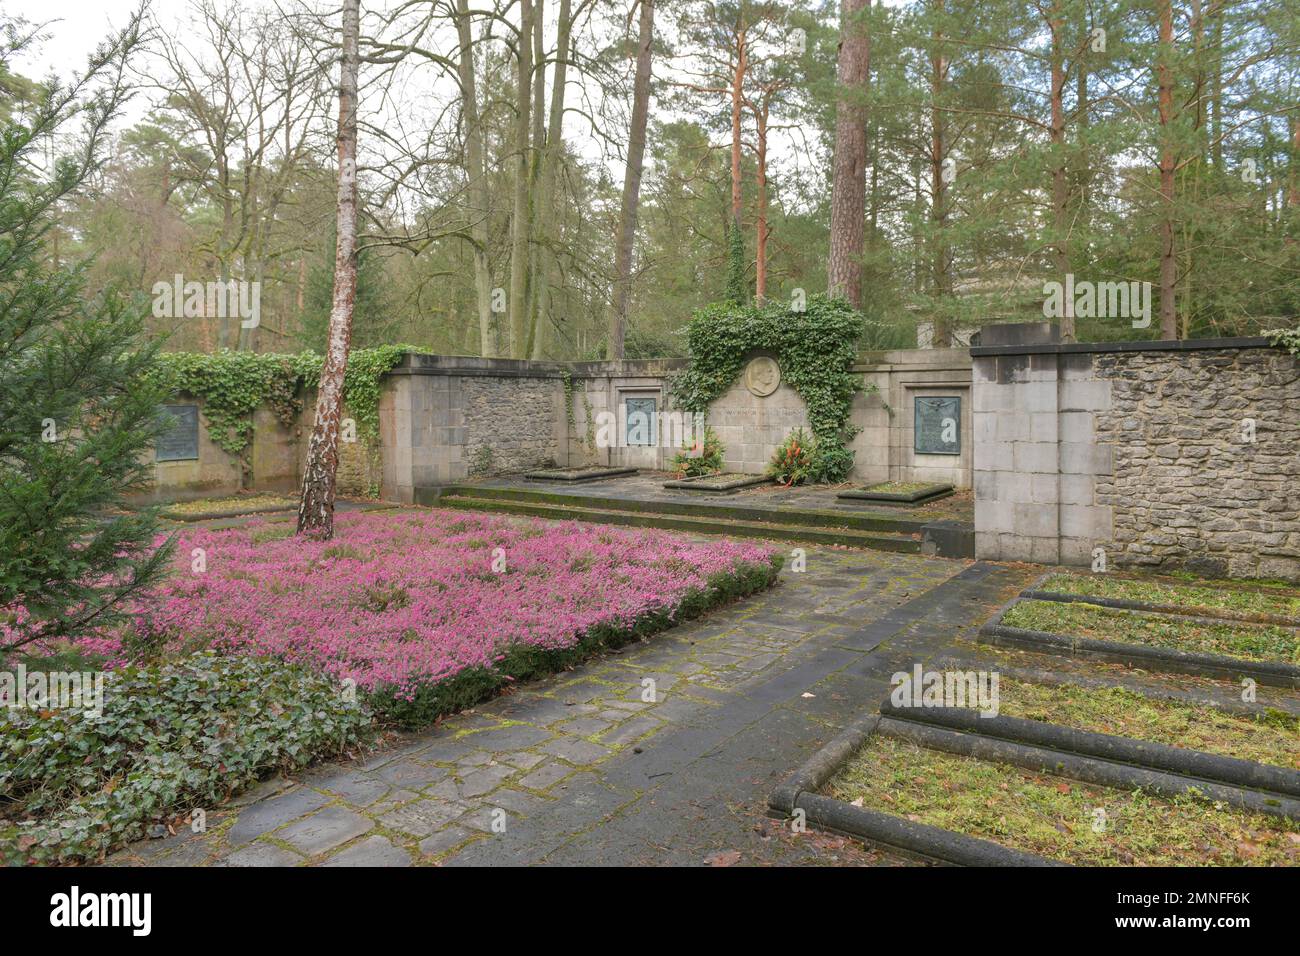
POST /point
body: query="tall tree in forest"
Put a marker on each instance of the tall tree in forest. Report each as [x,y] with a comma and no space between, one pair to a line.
[316,511]
[849,160]
[476,177]
[547,201]
[942,167]
[79,383]
[1168,167]
[521,216]
[631,185]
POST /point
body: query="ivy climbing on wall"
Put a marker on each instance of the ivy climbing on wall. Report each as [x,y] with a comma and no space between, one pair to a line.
[815,348]
[233,385]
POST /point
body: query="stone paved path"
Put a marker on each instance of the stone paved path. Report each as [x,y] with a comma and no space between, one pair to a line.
[580,768]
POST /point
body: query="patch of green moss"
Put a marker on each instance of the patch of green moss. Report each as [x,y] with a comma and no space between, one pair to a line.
[1059,818]
[1203,595]
[1248,641]
[1272,737]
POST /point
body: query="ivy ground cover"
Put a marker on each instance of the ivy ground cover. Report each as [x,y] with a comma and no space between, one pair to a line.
[430,611]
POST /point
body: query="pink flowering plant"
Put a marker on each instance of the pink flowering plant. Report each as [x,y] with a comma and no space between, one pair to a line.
[427,612]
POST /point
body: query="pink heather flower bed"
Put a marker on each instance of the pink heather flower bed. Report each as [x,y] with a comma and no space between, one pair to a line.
[399,600]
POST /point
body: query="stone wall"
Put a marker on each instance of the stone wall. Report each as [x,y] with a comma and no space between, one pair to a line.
[1137,449]
[885,450]
[510,423]
[274,461]
[444,418]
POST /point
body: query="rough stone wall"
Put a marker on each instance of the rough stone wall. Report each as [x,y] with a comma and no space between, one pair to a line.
[510,424]
[1140,452]
[1188,489]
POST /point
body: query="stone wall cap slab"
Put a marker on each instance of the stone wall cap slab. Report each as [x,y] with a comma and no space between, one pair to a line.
[1166,345]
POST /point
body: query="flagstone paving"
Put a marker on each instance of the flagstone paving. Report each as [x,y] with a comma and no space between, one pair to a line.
[661,754]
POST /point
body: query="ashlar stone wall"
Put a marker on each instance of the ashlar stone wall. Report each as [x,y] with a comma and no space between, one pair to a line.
[1207,460]
[1168,456]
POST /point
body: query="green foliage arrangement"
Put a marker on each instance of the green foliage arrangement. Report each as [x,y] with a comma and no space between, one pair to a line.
[792,462]
[815,348]
[235,384]
[170,738]
[709,462]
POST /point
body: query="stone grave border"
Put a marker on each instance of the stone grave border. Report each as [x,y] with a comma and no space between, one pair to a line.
[1146,657]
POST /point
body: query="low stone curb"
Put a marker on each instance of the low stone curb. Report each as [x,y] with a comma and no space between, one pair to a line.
[700,524]
[923,496]
[920,839]
[1170,660]
[824,764]
[1205,614]
[1086,769]
[702,484]
[574,477]
[1246,774]
[798,792]
[1157,610]
[811,517]
[216,515]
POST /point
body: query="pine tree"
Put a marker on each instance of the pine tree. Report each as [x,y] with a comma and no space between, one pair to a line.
[737,270]
[79,393]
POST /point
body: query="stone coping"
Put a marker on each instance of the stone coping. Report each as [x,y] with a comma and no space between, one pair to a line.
[577,474]
[1166,345]
[717,484]
[922,495]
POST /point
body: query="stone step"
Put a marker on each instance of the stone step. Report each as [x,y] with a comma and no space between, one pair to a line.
[709,523]
[710,508]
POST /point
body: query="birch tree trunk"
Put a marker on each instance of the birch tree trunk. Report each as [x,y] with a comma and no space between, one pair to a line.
[849,182]
[316,512]
[631,185]
[478,194]
[520,220]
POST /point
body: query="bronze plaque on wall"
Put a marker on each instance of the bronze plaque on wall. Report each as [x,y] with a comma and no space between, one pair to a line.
[937,424]
[180,438]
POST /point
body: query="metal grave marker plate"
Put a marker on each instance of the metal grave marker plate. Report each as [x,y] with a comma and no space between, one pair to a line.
[180,440]
[640,426]
[937,422]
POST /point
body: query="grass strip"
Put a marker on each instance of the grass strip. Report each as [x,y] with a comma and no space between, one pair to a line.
[1057,818]
[1247,641]
[1272,737]
[1204,596]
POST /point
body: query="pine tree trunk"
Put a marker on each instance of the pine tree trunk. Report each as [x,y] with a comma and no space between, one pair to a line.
[941,261]
[478,195]
[316,512]
[1168,262]
[737,102]
[519,240]
[848,178]
[631,186]
[760,242]
[1060,186]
